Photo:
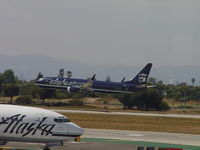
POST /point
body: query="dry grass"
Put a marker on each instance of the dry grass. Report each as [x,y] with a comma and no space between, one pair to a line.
[94,104]
[136,123]
[114,108]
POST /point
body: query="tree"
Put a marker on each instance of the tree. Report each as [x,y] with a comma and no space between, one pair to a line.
[34,92]
[61,73]
[108,79]
[193,81]
[29,89]
[46,93]
[1,78]
[69,74]
[125,100]
[153,99]
[25,99]
[11,90]
[8,77]
[62,94]
[143,100]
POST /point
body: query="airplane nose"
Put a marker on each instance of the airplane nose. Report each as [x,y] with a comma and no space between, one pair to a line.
[75,129]
[81,131]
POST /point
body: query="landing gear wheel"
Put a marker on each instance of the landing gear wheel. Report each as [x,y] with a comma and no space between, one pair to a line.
[46,148]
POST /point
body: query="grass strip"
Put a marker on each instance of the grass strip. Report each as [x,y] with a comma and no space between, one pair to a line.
[136,123]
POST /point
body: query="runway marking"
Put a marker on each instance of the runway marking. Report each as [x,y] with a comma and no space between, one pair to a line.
[34,144]
[136,135]
[73,142]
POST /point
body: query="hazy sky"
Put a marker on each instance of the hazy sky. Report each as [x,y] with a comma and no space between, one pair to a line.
[130,32]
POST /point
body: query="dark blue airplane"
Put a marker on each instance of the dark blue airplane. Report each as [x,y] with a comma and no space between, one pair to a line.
[73,85]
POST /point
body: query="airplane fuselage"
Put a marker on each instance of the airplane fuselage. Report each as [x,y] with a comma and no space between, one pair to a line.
[75,85]
[28,124]
[80,85]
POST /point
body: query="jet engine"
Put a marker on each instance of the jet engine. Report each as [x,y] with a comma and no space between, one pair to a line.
[142,86]
[72,89]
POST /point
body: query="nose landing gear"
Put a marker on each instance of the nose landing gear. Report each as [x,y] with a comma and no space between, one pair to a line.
[77,139]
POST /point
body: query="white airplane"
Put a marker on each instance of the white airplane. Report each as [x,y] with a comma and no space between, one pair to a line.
[29,124]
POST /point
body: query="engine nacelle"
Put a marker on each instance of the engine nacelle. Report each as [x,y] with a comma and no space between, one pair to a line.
[3,142]
[72,89]
[142,86]
[54,144]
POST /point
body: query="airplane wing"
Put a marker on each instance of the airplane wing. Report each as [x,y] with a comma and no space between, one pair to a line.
[123,80]
[87,86]
[143,86]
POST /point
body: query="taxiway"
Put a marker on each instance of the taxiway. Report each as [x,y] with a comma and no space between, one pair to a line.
[99,139]
[128,113]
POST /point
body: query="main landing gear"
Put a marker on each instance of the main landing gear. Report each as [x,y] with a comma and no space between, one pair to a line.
[48,145]
[46,148]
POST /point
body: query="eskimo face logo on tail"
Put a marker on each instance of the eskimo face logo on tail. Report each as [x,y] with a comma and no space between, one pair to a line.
[142,78]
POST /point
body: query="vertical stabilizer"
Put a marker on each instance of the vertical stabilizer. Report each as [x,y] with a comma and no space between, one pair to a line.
[142,76]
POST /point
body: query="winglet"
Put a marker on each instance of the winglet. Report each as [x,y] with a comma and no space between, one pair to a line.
[123,80]
[93,77]
[87,86]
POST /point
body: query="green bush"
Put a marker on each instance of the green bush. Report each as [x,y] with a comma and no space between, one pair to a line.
[164,106]
[78,96]
[149,99]
[26,99]
[62,94]
[56,104]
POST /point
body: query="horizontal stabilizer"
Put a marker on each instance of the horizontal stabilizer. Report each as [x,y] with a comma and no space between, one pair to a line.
[93,78]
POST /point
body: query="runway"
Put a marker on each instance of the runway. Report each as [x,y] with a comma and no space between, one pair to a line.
[158,137]
[100,139]
[85,145]
[129,113]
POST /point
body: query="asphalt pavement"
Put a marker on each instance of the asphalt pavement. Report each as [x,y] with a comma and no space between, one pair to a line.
[128,113]
[100,139]
[159,137]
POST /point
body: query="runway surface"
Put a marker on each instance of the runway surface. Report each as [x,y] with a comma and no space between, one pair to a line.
[88,145]
[129,113]
[159,137]
[100,139]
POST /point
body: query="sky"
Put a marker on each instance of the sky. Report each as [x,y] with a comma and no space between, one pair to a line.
[130,32]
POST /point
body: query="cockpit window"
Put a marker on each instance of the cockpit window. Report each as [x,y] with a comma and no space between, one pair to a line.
[61,120]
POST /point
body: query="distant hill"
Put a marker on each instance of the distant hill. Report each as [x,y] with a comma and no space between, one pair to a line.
[27,67]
